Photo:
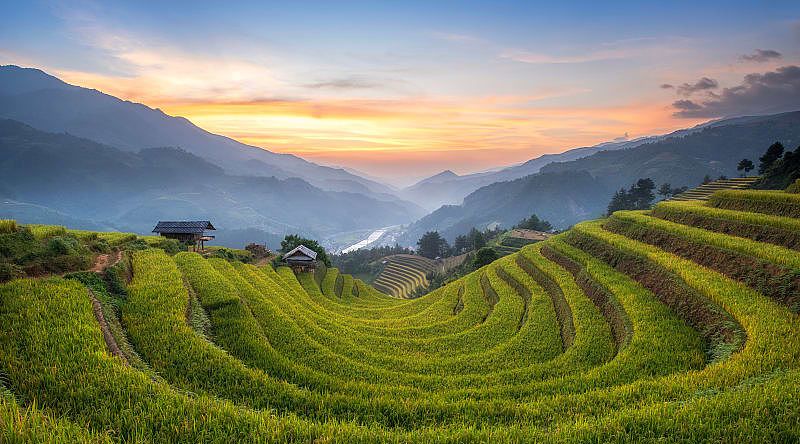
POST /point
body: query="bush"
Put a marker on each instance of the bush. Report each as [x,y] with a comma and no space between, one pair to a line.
[137,245]
[794,188]
[98,245]
[230,254]
[10,271]
[484,256]
[62,245]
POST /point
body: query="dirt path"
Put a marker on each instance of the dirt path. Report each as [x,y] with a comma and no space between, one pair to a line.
[104,261]
[101,319]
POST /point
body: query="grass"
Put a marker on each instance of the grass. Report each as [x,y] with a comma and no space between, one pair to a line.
[8,226]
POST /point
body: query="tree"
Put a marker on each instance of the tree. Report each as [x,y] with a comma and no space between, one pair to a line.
[706,179]
[782,172]
[638,197]
[432,245]
[484,256]
[665,190]
[620,201]
[461,244]
[534,223]
[773,153]
[476,239]
[291,241]
[745,165]
[642,193]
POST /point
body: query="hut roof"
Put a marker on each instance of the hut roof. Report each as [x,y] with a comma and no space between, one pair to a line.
[301,250]
[190,227]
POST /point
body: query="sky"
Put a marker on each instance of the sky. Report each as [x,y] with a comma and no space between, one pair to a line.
[402,90]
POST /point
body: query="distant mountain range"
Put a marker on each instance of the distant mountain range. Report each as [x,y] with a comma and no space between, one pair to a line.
[60,178]
[81,157]
[49,104]
[569,191]
[448,188]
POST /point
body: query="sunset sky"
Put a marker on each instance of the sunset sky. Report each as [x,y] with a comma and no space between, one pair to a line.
[401,90]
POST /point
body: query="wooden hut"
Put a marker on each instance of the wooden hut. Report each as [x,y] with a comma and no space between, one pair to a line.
[301,258]
[186,231]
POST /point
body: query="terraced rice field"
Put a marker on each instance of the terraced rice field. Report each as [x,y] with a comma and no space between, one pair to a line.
[516,239]
[673,325]
[404,273]
[704,192]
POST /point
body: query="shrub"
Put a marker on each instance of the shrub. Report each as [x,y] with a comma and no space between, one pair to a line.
[484,256]
[62,245]
[10,271]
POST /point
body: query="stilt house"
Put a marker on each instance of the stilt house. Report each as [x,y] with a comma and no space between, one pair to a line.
[186,231]
[301,258]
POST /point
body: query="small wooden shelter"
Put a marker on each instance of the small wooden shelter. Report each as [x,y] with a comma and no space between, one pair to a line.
[186,231]
[301,258]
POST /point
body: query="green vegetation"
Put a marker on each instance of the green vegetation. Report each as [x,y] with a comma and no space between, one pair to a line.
[8,226]
[638,197]
[432,245]
[534,223]
[365,262]
[291,241]
[484,256]
[42,250]
[779,169]
[676,324]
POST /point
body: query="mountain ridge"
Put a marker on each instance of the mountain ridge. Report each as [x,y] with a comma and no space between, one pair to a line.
[48,103]
[70,176]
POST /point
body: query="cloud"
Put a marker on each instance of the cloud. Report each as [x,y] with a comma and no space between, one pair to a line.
[343,83]
[666,86]
[686,105]
[761,55]
[772,91]
[704,84]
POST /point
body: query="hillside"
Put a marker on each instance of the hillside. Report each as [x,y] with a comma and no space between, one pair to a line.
[42,174]
[451,189]
[49,104]
[651,324]
[561,198]
[568,192]
[712,151]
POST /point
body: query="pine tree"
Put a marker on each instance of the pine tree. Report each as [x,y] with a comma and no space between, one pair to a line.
[773,153]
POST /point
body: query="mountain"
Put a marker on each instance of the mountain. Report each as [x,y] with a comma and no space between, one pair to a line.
[49,104]
[96,185]
[714,149]
[444,176]
[561,198]
[570,191]
[448,189]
